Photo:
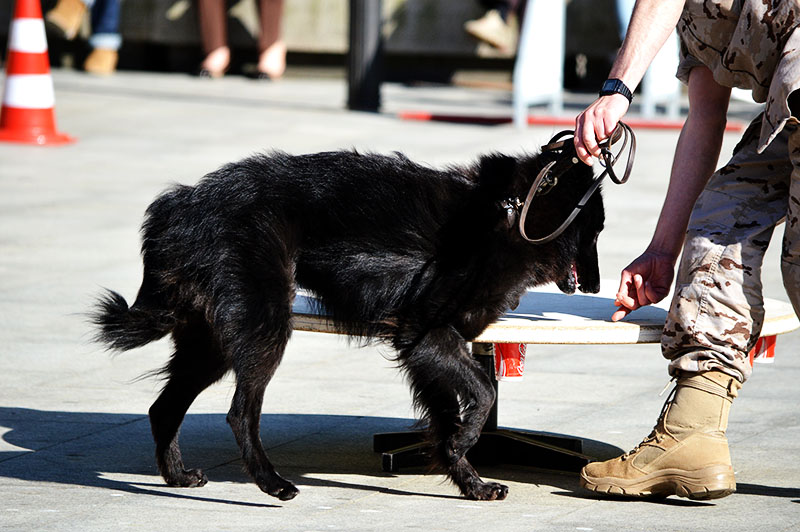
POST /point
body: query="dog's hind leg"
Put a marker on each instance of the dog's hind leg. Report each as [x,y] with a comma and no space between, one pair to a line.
[196,364]
[258,351]
[456,396]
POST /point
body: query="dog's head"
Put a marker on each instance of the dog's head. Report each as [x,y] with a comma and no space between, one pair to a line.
[570,259]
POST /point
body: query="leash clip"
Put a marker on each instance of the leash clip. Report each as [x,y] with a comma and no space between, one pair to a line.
[511,204]
[512,207]
[549,181]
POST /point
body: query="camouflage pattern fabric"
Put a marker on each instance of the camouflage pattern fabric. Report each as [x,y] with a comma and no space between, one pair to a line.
[717,310]
[749,44]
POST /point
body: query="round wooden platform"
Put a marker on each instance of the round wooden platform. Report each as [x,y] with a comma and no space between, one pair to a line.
[547,316]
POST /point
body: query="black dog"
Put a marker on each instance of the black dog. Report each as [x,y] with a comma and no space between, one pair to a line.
[423,259]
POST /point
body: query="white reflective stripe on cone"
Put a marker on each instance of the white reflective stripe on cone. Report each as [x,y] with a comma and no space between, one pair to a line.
[29,91]
[27,35]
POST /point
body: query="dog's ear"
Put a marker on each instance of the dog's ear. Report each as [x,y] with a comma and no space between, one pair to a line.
[496,174]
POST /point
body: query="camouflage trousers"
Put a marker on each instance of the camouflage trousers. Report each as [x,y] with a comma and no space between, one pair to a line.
[717,311]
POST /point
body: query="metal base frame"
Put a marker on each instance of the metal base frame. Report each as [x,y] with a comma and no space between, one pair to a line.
[496,446]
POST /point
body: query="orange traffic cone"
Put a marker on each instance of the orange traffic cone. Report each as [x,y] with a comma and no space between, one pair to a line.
[27,114]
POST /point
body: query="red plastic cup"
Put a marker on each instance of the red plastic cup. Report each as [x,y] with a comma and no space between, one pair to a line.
[764,350]
[509,361]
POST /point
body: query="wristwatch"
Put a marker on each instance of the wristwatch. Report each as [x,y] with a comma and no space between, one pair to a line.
[616,86]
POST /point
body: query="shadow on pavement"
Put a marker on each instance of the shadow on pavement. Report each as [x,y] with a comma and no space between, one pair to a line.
[105,450]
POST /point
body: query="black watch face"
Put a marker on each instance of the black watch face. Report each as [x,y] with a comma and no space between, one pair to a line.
[615,86]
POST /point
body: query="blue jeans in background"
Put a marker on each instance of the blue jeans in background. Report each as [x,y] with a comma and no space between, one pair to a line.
[105,24]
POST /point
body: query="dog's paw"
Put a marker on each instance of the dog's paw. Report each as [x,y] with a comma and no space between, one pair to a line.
[280,488]
[286,493]
[489,491]
[188,478]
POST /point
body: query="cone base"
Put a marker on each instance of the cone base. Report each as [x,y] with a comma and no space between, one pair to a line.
[39,138]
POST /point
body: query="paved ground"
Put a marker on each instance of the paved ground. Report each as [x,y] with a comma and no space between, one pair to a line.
[75,444]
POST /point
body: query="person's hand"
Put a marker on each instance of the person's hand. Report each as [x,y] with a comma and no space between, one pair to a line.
[596,123]
[644,281]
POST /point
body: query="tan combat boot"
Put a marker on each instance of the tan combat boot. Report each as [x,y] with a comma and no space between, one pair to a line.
[687,452]
[66,17]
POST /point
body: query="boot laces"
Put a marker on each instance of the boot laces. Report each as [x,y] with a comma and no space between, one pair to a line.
[656,435]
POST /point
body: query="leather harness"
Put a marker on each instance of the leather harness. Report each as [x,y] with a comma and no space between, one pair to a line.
[563,145]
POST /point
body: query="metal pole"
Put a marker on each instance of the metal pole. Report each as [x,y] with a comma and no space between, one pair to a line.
[365,57]
[484,354]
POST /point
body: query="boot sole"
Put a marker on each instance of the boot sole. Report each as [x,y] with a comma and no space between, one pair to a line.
[487,37]
[712,482]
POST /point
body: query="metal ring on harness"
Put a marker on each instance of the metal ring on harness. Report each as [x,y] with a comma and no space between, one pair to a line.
[608,158]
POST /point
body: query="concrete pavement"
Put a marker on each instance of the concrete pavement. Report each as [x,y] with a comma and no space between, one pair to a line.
[75,445]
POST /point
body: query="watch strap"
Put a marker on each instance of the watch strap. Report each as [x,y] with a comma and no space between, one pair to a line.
[616,86]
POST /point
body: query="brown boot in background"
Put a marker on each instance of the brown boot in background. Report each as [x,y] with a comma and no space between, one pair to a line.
[66,17]
[492,29]
[102,62]
[686,454]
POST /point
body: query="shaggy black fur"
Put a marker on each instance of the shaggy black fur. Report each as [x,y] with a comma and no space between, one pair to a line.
[423,259]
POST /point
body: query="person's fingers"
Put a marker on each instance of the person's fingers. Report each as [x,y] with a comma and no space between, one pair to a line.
[624,279]
[625,290]
[641,292]
[624,300]
[598,136]
[595,124]
[620,313]
[583,154]
[584,140]
[592,136]
[588,134]
[610,124]
[580,148]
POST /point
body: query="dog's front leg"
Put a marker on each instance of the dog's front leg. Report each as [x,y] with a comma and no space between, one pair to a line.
[455,394]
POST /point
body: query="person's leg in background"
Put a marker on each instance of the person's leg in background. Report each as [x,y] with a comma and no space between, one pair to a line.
[714,320]
[105,39]
[271,47]
[213,22]
[66,17]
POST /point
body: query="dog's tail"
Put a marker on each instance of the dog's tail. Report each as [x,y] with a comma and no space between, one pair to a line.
[122,328]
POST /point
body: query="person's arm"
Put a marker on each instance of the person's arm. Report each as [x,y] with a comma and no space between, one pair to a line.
[652,22]
[648,278]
